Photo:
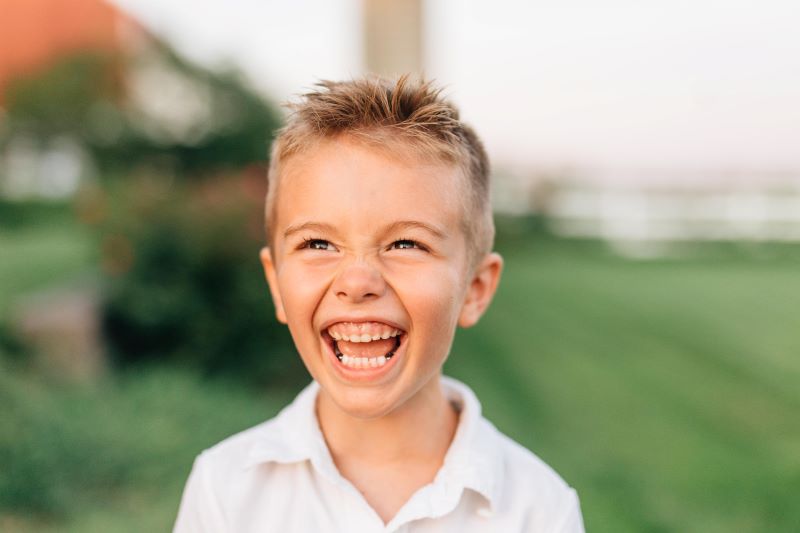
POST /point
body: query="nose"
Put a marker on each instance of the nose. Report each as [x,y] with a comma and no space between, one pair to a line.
[359,281]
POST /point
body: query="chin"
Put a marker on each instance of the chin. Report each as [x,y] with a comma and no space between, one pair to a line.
[363,404]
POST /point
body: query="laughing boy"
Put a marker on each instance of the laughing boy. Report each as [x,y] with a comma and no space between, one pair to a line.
[380,236]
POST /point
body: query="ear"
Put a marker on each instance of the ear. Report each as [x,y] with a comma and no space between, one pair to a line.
[272,281]
[481,289]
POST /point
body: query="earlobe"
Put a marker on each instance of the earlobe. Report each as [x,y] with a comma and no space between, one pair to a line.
[481,290]
[272,281]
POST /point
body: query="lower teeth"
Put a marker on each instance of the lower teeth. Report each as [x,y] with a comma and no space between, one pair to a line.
[365,362]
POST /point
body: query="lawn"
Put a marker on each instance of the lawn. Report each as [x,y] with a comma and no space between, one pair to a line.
[39,246]
[664,391]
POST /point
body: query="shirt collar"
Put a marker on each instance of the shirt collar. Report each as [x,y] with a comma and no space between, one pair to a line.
[473,460]
[293,435]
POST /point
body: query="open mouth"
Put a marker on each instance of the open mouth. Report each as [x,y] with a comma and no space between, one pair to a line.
[364,344]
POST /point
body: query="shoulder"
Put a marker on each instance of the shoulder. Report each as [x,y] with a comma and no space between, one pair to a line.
[235,451]
[281,439]
[524,468]
[221,479]
[525,491]
[533,489]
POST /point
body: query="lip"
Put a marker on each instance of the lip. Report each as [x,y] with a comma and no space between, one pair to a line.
[368,374]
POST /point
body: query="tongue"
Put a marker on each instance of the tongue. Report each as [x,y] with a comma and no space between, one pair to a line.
[366,349]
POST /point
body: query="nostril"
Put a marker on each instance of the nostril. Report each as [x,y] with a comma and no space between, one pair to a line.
[356,294]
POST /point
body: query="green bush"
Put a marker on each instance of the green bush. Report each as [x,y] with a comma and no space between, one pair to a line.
[178,214]
[113,456]
[184,282]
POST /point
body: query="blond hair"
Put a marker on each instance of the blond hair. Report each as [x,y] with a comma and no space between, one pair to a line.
[384,113]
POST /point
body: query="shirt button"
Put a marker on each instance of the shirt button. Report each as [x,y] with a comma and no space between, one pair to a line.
[485,512]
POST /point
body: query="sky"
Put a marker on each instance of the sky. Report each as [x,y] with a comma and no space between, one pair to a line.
[681,86]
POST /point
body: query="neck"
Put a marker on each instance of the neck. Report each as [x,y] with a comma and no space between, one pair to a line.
[422,428]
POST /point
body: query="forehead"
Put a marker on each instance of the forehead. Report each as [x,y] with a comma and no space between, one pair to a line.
[354,183]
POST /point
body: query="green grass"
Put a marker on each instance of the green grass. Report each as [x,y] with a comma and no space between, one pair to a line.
[665,392]
[35,253]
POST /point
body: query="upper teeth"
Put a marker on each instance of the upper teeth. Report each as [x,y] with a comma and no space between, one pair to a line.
[345,332]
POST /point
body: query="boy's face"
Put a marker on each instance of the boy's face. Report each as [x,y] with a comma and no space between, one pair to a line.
[370,248]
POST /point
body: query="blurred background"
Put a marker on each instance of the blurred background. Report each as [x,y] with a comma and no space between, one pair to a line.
[645,340]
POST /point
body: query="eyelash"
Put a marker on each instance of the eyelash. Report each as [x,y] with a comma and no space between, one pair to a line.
[415,244]
[307,243]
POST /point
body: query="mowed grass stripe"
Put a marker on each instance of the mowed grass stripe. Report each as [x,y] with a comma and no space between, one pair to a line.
[627,382]
[34,257]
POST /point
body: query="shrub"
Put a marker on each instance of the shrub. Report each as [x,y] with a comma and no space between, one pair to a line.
[184,282]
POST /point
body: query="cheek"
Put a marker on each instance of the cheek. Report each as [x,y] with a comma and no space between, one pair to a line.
[301,291]
[432,297]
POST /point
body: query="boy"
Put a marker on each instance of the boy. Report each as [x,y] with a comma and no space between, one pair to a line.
[379,235]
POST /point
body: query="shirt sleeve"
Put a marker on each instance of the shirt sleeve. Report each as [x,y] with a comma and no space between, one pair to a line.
[199,511]
[573,519]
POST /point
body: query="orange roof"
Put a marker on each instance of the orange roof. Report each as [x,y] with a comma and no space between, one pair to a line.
[34,33]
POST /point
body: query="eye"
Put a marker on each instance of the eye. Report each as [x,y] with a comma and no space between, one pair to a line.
[318,244]
[406,244]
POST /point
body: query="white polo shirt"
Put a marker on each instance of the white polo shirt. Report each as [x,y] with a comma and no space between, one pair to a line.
[279,477]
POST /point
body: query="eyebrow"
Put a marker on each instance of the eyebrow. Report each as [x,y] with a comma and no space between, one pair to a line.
[400,225]
[309,226]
